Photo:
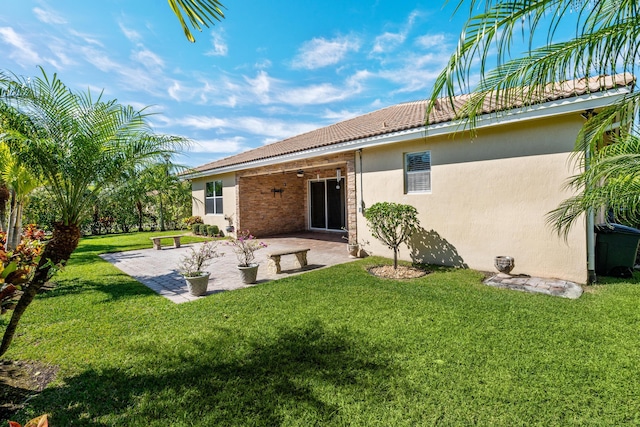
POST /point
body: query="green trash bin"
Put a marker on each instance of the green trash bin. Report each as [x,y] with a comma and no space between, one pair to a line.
[616,249]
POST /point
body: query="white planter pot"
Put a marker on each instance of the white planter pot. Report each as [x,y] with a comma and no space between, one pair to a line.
[504,264]
[248,274]
[353,250]
[197,285]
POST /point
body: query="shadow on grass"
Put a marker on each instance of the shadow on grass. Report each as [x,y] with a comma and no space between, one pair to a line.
[610,280]
[115,288]
[295,376]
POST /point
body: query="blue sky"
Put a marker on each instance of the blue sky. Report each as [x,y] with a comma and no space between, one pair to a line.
[268,71]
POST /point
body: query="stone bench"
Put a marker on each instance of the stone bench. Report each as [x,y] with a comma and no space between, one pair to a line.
[273,259]
[158,246]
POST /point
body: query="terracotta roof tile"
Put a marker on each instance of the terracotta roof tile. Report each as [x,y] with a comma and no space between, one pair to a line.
[410,115]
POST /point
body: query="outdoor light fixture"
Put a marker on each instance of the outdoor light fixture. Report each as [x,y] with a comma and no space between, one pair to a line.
[300,173]
[339,176]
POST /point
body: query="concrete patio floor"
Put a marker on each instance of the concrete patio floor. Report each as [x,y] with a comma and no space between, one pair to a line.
[157,269]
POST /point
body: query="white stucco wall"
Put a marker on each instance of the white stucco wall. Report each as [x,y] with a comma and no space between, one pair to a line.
[228,199]
[489,196]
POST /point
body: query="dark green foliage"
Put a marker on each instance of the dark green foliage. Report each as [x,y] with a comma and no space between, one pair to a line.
[41,210]
[213,230]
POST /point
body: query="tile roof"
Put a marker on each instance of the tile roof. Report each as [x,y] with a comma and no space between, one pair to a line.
[410,115]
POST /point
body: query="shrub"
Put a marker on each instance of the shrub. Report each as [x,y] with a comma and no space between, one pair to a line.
[190,221]
[392,224]
[197,229]
[212,230]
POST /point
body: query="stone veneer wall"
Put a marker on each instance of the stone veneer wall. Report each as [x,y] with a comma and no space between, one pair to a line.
[265,213]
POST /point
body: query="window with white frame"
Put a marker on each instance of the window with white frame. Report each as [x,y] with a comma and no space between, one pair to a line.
[213,198]
[417,172]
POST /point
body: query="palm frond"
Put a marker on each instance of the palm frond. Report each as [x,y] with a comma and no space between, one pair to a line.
[198,12]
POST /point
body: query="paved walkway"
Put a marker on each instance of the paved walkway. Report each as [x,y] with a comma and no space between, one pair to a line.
[554,287]
[158,269]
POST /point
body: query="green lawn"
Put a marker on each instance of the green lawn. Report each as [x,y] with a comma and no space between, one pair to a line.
[330,347]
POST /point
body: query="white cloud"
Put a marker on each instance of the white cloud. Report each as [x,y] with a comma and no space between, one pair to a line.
[148,58]
[86,38]
[266,127]
[49,16]
[320,52]
[201,122]
[261,86]
[130,34]
[315,94]
[324,93]
[265,63]
[99,59]
[60,50]
[274,128]
[262,89]
[388,41]
[235,144]
[175,91]
[429,41]
[24,53]
[416,72]
[220,47]
[338,116]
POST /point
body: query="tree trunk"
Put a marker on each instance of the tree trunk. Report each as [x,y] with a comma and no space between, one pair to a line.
[15,232]
[140,215]
[12,220]
[57,251]
[395,258]
[4,198]
[161,214]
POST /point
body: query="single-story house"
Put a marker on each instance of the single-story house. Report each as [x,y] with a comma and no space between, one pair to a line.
[478,195]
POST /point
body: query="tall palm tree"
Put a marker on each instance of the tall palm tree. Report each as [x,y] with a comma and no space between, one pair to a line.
[78,144]
[198,12]
[606,41]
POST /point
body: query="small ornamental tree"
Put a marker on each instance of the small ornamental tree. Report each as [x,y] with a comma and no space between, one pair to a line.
[392,224]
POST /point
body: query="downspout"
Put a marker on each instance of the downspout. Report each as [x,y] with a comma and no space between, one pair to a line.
[591,234]
[362,206]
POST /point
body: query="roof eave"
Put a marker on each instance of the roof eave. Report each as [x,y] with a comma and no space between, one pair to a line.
[547,109]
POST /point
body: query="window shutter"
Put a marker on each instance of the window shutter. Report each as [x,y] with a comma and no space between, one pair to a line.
[418,172]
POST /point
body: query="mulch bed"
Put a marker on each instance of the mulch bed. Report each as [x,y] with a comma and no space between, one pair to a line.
[402,272]
[19,381]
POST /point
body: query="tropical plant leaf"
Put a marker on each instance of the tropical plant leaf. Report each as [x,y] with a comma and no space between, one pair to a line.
[198,12]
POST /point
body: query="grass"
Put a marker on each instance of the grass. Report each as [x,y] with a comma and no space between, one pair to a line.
[334,347]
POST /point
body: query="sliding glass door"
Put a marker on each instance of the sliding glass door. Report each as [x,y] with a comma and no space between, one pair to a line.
[326,204]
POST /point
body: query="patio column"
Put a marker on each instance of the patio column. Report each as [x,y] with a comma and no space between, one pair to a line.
[352,199]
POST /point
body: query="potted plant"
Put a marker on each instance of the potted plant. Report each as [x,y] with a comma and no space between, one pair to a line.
[192,265]
[230,228]
[353,247]
[244,246]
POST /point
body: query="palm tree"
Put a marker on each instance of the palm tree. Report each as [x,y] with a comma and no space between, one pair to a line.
[78,144]
[20,181]
[162,181]
[606,42]
[198,12]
